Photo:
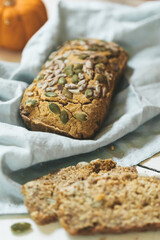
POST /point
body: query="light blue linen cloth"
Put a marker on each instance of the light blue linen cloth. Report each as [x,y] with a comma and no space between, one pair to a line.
[136,102]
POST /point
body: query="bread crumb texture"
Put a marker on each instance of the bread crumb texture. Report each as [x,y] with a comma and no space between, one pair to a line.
[95,197]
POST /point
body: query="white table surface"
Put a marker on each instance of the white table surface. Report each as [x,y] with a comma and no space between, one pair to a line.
[54,231]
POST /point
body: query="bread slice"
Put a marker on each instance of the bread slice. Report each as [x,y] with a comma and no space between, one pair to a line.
[116,201]
[40,194]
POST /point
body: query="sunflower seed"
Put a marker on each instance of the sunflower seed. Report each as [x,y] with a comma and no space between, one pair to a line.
[66,61]
[31,86]
[62,75]
[29,94]
[58,71]
[75,91]
[53,82]
[66,54]
[44,85]
[81,76]
[104,91]
[81,82]
[40,84]
[82,87]
[62,96]
[71,85]
[89,64]
[51,89]
[89,72]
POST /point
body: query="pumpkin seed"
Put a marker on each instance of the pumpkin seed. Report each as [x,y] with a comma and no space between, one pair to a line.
[88,93]
[51,94]
[81,117]
[69,73]
[31,102]
[78,71]
[75,79]
[100,66]
[62,81]
[69,70]
[69,67]
[100,78]
[54,108]
[40,77]
[78,66]
[67,94]
[20,227]
[96,47]
[64,117]
[83,56]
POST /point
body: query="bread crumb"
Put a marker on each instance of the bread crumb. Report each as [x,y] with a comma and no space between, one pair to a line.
[112,148]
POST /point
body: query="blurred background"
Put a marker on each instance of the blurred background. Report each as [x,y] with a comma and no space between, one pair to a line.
[15,55]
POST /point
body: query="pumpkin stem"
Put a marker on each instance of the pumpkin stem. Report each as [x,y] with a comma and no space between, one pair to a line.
[8,3]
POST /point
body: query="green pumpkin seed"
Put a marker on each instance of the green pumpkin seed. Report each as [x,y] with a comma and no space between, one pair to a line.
[100,66]
[69,70]
[62,81]
[54,108]
[75,79]
[81,117]
[89,93]
[96,47]
[67,94]
[78,71]
[20,227]
[100,78]
[51,94]
[83,56]
[40,77]
[78,66]
[64,117]
[31,102]
[69,67]
[69,73]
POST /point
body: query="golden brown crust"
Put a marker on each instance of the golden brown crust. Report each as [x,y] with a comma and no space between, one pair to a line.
[72,93]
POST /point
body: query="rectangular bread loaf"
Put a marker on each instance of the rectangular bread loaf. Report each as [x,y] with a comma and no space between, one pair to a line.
[72,93]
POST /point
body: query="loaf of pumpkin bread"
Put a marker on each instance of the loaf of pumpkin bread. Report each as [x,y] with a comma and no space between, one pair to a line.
[72,93]
[41,194]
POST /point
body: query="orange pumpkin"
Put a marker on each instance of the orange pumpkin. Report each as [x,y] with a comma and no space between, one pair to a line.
[19,20]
